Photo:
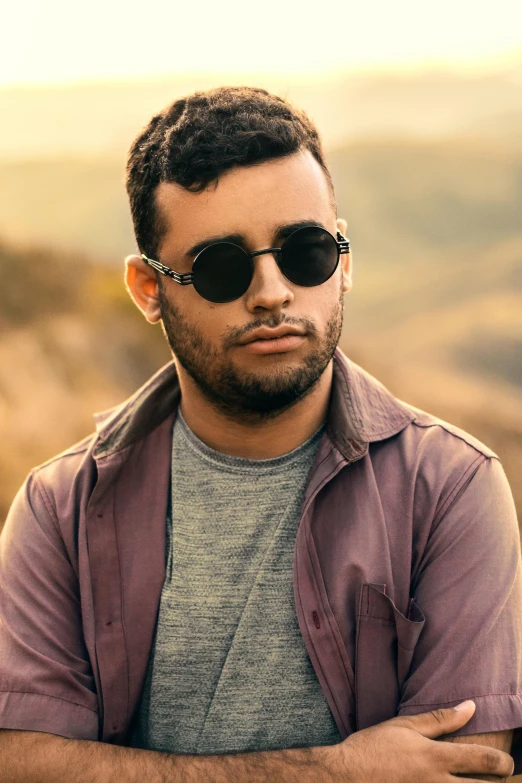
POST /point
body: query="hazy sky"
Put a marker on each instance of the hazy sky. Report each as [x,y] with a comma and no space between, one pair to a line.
[49,41]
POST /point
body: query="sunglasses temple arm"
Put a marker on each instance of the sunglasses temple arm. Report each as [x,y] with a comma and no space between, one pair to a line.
[182,279]
[343,243]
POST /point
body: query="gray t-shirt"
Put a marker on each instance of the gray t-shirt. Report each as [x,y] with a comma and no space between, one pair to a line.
[229,670]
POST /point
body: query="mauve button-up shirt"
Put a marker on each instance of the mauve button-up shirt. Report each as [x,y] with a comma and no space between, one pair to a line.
[407,569]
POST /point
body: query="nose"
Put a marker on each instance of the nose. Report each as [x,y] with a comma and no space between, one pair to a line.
[269,288]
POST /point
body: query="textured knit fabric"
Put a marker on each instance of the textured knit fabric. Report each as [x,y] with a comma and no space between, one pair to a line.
[229,669]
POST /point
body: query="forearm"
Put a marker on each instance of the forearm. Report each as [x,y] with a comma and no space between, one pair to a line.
[502,740]
[33,757]
[401,750]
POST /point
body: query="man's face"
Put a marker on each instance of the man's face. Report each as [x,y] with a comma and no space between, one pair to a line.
[208,339]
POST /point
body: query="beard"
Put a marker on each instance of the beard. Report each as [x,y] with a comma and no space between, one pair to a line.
[238,393]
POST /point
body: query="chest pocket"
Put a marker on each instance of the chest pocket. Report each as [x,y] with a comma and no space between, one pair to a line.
[385,642]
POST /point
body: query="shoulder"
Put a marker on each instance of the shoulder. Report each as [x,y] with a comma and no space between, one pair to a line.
[66,463]
[368,411]
[436,449]
[433,462]
[461,487]
[431,429]
[58,488]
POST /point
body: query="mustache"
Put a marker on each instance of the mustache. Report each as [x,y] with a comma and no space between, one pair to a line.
[233,335]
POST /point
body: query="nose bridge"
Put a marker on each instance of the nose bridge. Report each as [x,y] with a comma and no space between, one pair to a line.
[269,288]
[273,250]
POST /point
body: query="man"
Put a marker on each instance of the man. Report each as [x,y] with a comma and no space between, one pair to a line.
[262,566]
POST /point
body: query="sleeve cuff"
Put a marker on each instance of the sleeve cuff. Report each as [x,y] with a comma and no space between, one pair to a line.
[37,712]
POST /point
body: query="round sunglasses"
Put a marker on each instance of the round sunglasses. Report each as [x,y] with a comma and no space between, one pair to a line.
[223,271]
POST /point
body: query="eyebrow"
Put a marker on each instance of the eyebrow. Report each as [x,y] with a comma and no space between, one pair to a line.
[281,232]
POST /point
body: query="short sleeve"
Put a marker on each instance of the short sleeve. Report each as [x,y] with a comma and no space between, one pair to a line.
[46,681]
[469,587]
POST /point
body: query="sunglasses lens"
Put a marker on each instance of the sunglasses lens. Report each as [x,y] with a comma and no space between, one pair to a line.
[222,272]
[309,256]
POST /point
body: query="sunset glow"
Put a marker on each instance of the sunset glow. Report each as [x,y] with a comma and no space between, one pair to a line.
[59,42]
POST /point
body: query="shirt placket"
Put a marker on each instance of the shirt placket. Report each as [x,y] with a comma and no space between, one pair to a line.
[318,626]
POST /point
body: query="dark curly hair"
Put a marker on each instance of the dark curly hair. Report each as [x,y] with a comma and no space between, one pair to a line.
[197,138]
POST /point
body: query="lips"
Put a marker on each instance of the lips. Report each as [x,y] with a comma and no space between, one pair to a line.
[267,333]
[265,340]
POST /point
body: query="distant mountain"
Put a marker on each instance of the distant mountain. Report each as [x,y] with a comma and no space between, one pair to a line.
[77,205]
[447,338]
[404,200]
[463,317]
[428,173]
[444,332]
[71,343]
[407,199]
[95,119]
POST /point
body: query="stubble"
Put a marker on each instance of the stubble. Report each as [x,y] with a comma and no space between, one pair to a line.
[239,394]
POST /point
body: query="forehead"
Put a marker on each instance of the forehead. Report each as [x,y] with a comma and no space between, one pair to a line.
[248,200]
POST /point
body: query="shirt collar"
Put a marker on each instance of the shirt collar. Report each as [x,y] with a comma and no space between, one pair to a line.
[361,411]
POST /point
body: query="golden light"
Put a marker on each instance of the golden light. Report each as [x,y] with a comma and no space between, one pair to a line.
[58,41]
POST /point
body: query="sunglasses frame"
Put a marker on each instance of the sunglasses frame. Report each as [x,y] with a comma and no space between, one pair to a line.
[187,278]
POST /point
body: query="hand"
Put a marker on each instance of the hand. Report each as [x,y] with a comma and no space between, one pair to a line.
[403,750]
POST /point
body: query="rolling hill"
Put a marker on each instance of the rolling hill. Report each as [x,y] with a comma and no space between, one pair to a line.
[95,119]
[428,173]
[72,342]
[404,200]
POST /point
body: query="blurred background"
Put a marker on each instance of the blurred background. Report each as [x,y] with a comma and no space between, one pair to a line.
[420,109]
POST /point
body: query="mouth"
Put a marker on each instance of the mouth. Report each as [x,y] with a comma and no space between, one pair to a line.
[279,340]
[272,333]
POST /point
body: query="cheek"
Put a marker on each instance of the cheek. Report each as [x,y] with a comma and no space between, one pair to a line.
[318,303]
[214,321]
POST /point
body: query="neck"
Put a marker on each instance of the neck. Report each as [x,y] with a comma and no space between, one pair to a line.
[263,439]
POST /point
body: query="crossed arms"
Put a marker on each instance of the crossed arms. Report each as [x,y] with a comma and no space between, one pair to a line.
[402,750]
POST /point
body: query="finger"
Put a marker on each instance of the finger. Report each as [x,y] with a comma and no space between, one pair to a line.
[437,722]
[476,760]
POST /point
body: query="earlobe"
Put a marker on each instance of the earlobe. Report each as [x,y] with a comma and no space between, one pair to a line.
[347,283]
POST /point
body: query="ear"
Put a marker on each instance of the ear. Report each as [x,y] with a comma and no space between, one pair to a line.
[142,286]
[346,259]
